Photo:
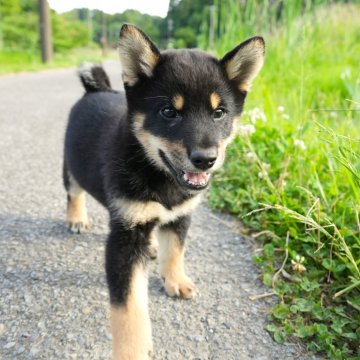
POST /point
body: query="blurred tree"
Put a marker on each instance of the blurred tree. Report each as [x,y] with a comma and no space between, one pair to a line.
[185,37]
[9,7]
[21,33]
[28,6]
[68,34]
[154,26]
[187,17]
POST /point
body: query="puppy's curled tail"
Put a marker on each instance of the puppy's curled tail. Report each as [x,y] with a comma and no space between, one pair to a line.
[94,77]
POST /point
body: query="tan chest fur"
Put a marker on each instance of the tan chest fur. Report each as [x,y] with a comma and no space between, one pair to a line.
[138,212]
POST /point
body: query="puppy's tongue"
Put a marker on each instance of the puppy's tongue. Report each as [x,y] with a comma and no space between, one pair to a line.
[200,178]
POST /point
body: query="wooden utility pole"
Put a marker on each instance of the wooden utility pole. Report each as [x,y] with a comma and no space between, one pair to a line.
[90,27]
[103,34]
[45,31]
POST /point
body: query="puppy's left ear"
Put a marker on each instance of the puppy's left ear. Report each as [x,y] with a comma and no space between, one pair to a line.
[138,54]
[243,63]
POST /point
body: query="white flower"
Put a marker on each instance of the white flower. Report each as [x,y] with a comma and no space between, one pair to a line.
[346,73]
[264,168]
[255,114]
[285,116]
[299,144]
[280,109]
[262,174]
[297,264]
[250,156]
[333,114]
[246,130]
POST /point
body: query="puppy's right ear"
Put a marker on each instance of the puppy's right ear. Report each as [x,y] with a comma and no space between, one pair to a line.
[138,54]
[243,63]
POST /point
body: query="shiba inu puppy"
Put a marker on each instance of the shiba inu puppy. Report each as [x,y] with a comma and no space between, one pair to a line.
[148,154]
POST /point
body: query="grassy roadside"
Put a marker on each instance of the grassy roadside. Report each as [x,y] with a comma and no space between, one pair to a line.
[292,175]
[16,61]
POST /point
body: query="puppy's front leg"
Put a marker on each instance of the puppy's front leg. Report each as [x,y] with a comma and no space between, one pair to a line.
[171,258]
[126,258]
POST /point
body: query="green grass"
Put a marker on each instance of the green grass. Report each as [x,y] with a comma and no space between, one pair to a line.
[16,61]
[295,180]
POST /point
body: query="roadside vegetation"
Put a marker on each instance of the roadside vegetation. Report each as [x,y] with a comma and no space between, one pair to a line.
[293,173]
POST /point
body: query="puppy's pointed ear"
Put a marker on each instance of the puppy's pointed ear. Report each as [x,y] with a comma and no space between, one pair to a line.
[243,63]
[138,54]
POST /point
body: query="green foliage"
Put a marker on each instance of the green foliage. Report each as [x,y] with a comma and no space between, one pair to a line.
[152,25]
[20,32]
[299,174]
[185,37]
[68,34]
[19,29]
[9,7]
[187,17]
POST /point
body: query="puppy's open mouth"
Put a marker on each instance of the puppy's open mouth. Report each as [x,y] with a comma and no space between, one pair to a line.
[191,180]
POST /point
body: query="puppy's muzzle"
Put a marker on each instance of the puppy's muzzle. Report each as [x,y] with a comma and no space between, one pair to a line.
[203,159]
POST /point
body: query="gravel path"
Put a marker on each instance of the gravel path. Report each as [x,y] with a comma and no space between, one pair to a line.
[53,296]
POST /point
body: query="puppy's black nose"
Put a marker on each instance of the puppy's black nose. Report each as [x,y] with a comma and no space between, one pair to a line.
[203,159]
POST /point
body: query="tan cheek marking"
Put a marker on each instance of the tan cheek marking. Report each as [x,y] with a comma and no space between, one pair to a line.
[223,145]
[150,143]
[173,146]
[178,102]
[235,128]
[138,121]
[215,100]
[130,323]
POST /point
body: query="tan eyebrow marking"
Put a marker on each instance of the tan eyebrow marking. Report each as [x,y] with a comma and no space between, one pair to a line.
[178,102]
[215,100]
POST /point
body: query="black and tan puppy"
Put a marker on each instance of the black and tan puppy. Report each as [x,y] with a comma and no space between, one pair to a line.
[147,154]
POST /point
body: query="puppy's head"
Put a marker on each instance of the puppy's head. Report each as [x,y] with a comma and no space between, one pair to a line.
[183,104]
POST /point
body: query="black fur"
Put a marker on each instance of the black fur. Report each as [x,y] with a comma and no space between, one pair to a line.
[122,256]
[94,79]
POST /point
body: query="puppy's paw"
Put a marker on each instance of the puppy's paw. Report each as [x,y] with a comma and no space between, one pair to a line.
[132,354]
[78,227]
[181,286]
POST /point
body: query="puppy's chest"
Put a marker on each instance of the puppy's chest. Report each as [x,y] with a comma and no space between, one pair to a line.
[139,212]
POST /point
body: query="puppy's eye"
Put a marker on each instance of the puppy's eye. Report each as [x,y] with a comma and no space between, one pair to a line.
[168,112]
[219,113]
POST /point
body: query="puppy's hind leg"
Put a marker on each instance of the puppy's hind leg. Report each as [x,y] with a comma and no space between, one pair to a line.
[77,219]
